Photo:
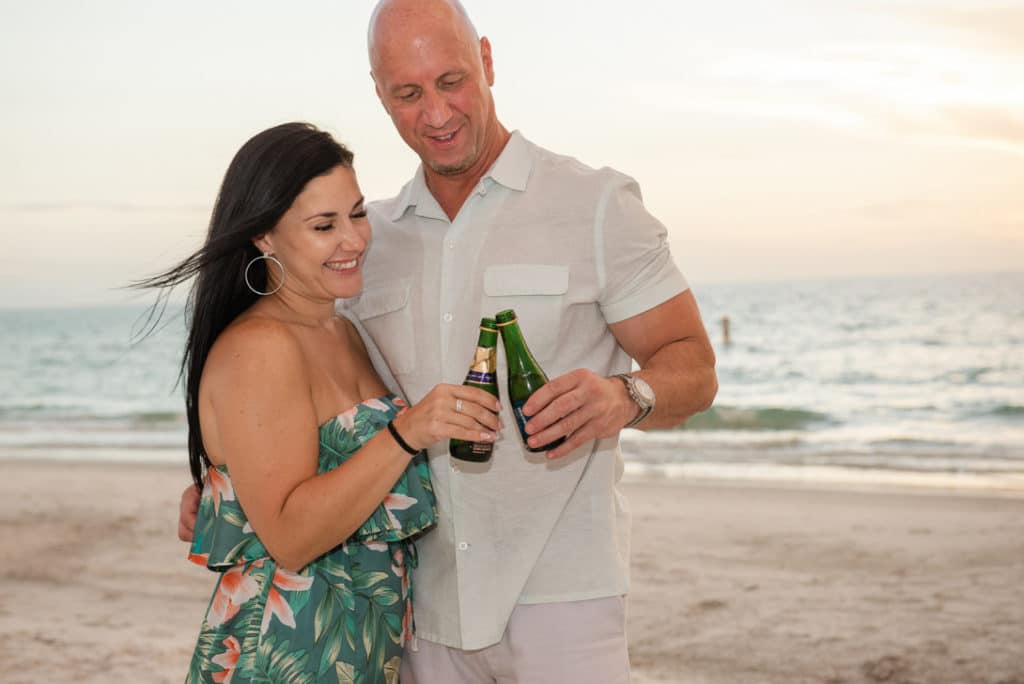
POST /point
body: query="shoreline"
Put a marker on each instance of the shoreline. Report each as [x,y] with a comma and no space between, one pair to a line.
[1005,484]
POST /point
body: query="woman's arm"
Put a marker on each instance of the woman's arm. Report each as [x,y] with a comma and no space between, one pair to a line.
[267,434]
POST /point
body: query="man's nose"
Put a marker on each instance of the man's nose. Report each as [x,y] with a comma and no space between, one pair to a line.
[436,111]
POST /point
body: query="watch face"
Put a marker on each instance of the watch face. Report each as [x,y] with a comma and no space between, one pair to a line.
[643,389]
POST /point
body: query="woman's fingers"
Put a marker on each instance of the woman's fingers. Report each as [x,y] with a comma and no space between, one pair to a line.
[475,418]
[466,401]
[475,395]
[452,411]
[478,406]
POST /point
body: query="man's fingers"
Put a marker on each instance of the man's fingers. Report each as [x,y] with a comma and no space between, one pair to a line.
[188,509]
[552,389]
[539,399]
[582,413]
[574,440]
[562,428]
[190,497]
[562,406]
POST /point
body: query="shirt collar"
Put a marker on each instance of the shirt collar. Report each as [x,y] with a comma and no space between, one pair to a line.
[511,169]
[417,194]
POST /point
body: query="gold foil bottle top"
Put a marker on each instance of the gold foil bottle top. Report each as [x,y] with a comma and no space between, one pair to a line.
[485,360]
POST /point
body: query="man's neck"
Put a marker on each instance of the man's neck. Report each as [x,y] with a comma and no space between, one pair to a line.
[451,191]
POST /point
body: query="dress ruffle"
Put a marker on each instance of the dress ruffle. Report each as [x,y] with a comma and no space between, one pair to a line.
[224,538]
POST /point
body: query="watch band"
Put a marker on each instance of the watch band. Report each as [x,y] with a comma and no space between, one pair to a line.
[645,406]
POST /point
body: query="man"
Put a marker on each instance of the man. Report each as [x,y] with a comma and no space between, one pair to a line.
[524,578]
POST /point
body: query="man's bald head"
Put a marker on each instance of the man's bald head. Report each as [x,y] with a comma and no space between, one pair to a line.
[433,75]
[389,14]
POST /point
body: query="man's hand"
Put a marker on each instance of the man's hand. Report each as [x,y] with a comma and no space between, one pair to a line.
[187,512]
[675,357]
[581,404]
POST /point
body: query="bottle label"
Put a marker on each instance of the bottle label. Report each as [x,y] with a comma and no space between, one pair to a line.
[517,411]
[482,378]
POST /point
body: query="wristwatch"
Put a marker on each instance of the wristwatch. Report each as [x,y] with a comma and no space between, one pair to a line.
[641,393]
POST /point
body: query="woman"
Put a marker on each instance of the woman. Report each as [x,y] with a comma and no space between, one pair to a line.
[313,484]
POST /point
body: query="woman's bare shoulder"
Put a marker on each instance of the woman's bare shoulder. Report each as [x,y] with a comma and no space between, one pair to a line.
[256,344]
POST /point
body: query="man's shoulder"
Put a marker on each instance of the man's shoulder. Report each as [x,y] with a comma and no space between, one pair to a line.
[380,211]
[565,168]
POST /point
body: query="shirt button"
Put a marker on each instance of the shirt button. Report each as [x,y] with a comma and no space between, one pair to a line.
[451,244]
[463,546]
[448,317]
[483,190]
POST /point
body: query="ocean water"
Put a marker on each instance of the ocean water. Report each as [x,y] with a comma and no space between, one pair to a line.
[909,375]
[74,381]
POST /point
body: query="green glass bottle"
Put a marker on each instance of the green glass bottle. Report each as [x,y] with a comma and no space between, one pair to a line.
[525,375]
[482,374]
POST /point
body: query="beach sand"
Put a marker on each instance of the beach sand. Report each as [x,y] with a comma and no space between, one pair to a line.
[732,582]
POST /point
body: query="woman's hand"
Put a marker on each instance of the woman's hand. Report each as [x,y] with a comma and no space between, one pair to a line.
[450,411]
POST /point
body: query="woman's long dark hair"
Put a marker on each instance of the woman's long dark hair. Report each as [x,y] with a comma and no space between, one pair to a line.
[261,183]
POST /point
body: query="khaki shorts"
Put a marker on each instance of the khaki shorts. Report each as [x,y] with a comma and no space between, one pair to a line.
[544,643]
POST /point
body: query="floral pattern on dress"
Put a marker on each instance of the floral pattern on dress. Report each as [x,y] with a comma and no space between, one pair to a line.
[342,619]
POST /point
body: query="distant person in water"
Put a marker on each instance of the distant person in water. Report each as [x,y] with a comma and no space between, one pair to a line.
[314,484]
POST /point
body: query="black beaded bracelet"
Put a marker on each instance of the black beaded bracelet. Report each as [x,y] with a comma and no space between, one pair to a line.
[398,438]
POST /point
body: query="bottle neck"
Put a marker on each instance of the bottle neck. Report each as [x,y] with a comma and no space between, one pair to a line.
[485,358]
[517,354]
[487,339]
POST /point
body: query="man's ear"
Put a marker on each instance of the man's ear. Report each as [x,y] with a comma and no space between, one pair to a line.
[487,59]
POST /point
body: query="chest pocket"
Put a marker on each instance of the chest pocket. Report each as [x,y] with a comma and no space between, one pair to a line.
[386,314]
[537,293]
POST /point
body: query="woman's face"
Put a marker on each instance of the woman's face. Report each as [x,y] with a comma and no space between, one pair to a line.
[321,239]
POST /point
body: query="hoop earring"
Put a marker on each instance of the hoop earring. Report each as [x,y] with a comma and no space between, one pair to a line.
[268,257]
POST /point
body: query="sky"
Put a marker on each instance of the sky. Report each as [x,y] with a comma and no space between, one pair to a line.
[776,140]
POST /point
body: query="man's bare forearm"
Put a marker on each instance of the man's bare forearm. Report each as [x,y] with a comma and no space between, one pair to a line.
[682,374]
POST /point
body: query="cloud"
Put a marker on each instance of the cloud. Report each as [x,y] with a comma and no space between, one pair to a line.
[980,126]
[893,211]
[987,123]
[996,27]
[918,91]
[118,207]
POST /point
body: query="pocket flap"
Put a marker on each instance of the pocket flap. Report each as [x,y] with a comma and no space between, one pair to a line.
[526,279]
[381,300]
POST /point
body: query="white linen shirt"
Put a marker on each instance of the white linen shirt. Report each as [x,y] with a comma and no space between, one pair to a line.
[571,249]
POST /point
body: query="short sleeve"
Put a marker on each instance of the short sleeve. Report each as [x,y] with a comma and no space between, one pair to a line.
[635,267]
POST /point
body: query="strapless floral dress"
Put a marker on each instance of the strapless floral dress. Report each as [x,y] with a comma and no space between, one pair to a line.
[346,616]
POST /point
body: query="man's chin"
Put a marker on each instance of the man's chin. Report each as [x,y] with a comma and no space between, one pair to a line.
[450,169]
